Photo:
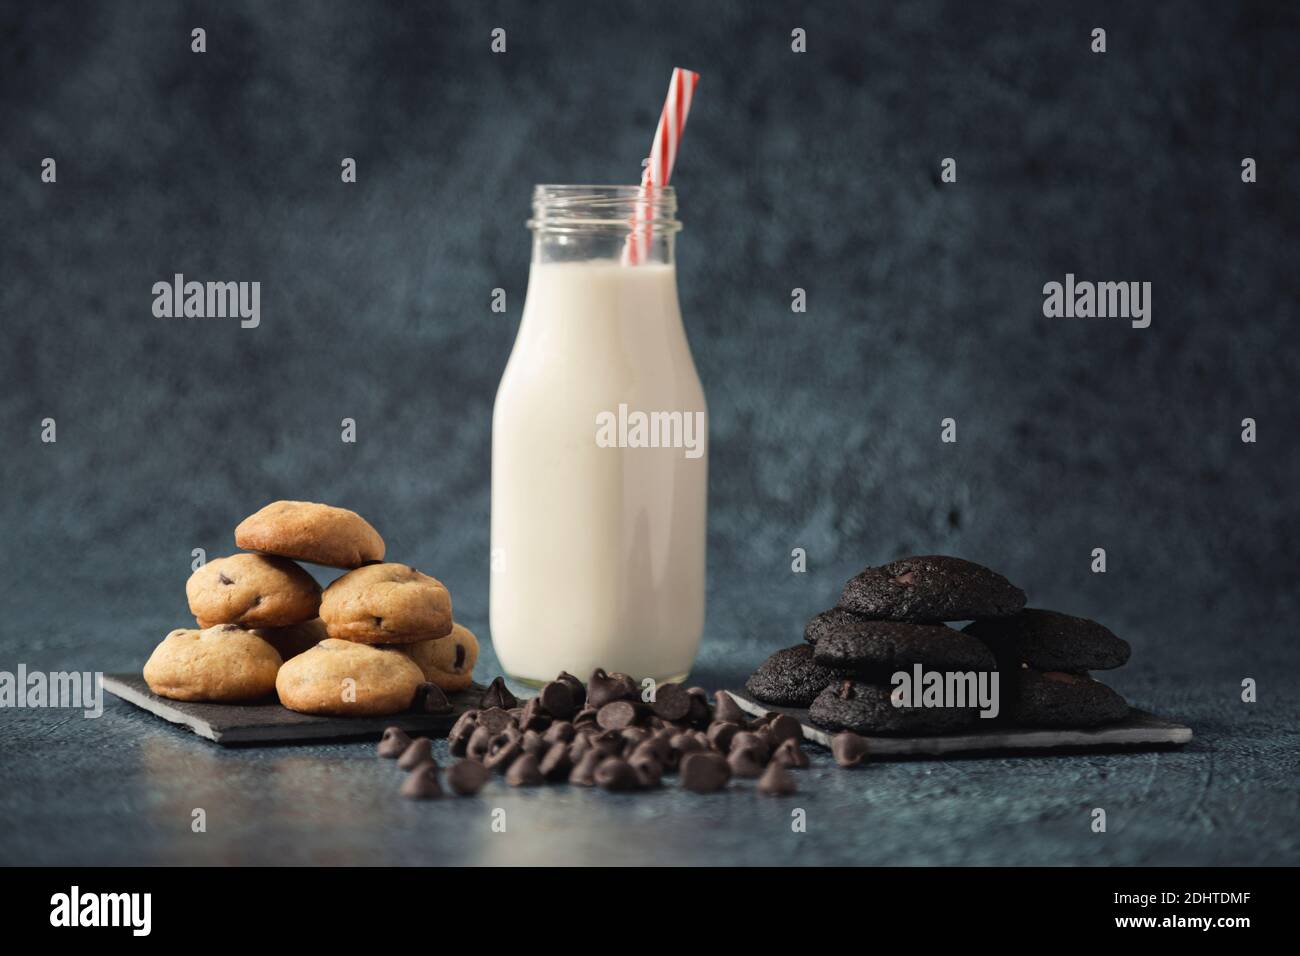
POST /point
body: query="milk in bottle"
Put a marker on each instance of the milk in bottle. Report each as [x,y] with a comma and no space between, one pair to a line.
[599,453]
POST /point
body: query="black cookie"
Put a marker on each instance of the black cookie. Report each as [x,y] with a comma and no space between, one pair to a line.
[1056,699]
[931,588]
[1050,641]
[789,677]
[867,709]
[876,649]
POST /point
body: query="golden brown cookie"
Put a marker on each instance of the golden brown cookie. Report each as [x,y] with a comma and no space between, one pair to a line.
[295,639]
[448,661]
[345,679]
[307,531]
[225,664]
[386,604]
[253,590]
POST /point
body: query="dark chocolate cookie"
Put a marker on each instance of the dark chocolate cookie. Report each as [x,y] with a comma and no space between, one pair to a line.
[1057,699]
[856,645]
[931,588]
[867,709]
[1050,641]
[790,678]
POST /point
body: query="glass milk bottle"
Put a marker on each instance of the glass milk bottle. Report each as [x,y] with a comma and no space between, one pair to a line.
[599,451]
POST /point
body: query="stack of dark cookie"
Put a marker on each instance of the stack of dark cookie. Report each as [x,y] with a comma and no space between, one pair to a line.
[892,618]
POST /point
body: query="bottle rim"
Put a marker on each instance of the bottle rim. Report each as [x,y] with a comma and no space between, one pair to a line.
[564,208]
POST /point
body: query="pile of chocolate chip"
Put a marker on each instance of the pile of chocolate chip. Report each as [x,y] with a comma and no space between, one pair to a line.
[606,735]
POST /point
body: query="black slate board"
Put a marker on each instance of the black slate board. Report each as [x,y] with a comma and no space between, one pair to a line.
[1139,730]
[270,723]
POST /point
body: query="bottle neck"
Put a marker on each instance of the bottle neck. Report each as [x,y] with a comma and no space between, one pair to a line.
[604,223]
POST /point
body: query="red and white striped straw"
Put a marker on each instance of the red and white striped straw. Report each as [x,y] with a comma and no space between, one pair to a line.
[663,154]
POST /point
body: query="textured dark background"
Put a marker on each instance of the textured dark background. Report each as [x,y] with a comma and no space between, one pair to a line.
[819,171]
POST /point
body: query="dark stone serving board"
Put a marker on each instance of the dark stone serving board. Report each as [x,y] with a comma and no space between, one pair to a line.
[1139,730]
[270,723]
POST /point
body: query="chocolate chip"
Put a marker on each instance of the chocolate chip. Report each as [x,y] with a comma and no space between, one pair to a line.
[498,695]
[231,627]
[746,762]
[616,715]
[603,688]
[721,732]
[467,777]
[576,690]
[789,754]
[749,740]
[615,773]
[459,665]
[533,716]
[502,753]
[644,761]
[223,579]
[583,773]
[848,749]
[686,743]
[458,739]
[379,622]
[634,735]
[534,744]
[418,751]
[430,699]
[726,708]
[561,731]
[846,690]
[783,727]
[671,702]
[585,716]
[524,772]
[698,691]
[422,783]
[479,743]
[393,743]
[556,764]
[776,781]
[701,714]
[557,698]
[609,742]
[494,719]
[578,747]
[704,772]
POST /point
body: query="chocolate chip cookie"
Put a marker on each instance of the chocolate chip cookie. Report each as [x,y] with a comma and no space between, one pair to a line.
[346,679]
[252,590]
[448,661]
[1051,641]
[307,531]
[857,645]
[386,604]
[790,678]
[867,709]
[222,664]
[295,639]
[1057,699]
[931,588]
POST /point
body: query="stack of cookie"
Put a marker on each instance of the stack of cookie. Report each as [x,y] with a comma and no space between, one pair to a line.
[891,619]
[376,641]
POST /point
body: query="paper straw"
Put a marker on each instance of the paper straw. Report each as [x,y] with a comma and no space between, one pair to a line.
[663,154]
